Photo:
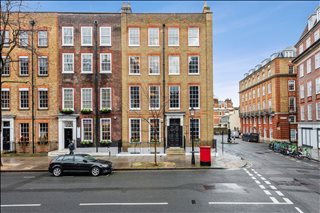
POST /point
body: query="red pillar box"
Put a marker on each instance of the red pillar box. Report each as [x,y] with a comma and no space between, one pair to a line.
[205,156]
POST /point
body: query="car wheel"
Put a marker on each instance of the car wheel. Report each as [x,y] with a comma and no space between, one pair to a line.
[95,171]
[57,171]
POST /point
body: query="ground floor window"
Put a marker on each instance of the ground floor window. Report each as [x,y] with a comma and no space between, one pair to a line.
[154,130]
[87,130]
[306,136]
[135,130]
[195,127]
[271,133]
[24,132]
[43,132]
[293,134]
[105,129]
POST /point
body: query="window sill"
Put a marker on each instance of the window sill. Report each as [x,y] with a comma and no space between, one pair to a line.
[86,45]
[174,45]
[67,72]
[86,72]
[5,109]
[193,73]
[103,72]
[154,74]
[43,46]
[153,45]
[43,75]
[105,45]
[133,45]
[193,45]
[138,74]
[67,45]
[174,73]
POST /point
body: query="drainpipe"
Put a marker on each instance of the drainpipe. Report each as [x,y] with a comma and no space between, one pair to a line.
[164,85]
[96,84]
[32,23]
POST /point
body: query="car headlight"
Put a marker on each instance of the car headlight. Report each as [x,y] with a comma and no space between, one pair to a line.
[105,166]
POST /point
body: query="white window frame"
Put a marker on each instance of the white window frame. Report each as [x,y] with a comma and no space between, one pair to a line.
[302,113]
[5,90]
[170,64]
[176,44]
[82,89]
[110,35]
[149,64]
[106,88]
[105,71]
[82,129]
[198,36]
[138,108]
[22,90]
[130,73]
[72,34]
[317,61]
[301,70]
[159,139]
[63,104]
[189,58]
[63,70]
[269,88]
[302,92]
[82,40]
[109,120]
[129,37]
[316,35]
[130,128]
[157,39]
[175,108]
[309,88]
[199,95]
[39,58]
[308,42]
[23,33]
[6,37]
[82,57]
[39,45]
[23,57]
[317,81]
[318,111]
[309,107]
[39,90]
[309,65]
[154,108]
[291,83]
[199,121]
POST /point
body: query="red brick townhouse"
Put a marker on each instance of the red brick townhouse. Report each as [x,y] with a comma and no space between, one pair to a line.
[307,65]
[90,79]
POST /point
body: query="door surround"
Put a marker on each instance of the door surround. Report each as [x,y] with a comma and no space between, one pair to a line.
[69,122]
[11,120]
[175,115]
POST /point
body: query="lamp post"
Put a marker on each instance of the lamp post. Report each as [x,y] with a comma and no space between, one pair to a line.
[32,23]
[192,135]
[289,129]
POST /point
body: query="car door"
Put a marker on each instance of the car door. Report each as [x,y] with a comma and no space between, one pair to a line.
[67,163]
[82,164]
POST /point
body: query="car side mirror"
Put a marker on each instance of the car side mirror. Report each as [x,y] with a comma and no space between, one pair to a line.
[85,161]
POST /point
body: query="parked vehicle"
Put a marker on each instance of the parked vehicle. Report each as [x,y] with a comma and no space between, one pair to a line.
[254,137]
[79,163]
[235,134]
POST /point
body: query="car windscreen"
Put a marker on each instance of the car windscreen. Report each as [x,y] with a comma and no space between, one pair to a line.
[89,158]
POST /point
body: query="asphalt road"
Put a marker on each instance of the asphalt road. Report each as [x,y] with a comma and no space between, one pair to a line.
[270,183]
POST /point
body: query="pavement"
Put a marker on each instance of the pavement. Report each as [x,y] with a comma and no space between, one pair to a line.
[40,163]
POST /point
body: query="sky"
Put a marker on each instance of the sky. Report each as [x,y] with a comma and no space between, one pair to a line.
[244,32]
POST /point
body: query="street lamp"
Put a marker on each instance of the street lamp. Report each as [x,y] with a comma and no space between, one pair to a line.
[192,135]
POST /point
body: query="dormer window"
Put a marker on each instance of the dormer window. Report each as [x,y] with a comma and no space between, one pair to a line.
[318,14]
[311,21]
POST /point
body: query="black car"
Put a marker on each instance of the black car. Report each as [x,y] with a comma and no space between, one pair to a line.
[79,163]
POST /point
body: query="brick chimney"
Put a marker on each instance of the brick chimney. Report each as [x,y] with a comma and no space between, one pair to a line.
[126,8]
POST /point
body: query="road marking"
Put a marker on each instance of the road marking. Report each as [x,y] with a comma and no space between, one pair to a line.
[247,203]
[299,210]
[259,175]
[287,200]
[262,187]
[274,200]
[279,193]
[20,205]
[250,174]
[263,178]
[267,182]
[273,187]
[28,176]
[121,204]
[253,178]
[267,192]
[258,182]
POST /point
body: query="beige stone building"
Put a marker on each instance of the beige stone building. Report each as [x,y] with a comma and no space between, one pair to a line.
[166,71]
[16,90]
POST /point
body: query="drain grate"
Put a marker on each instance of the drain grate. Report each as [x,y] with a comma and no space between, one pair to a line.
[193,201]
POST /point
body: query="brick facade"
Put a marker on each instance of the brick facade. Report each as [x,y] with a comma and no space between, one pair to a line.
[13,117]
[264,98]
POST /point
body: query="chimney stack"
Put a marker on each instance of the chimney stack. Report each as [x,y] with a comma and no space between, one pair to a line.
[126,8]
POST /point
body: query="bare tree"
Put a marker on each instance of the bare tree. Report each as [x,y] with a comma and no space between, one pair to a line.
[12,21]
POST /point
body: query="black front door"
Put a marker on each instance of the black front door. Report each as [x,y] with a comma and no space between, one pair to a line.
[67,137]
[6,138]
[174,133]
